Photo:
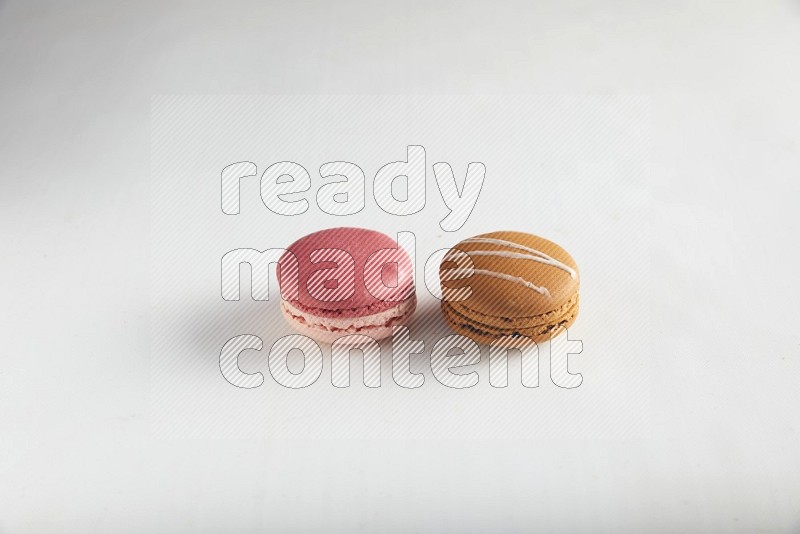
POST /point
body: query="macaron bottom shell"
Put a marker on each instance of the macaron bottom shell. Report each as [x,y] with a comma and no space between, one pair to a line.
[487,329]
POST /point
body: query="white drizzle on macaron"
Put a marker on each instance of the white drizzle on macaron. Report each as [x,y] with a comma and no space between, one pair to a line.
[529,254]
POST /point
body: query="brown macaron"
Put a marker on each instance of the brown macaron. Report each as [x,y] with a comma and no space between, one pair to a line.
[509,284]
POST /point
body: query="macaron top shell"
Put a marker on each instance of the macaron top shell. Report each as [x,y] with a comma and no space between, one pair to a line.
[515,275]
[331,286]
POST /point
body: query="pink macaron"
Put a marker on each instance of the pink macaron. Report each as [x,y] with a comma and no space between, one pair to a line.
[346,281]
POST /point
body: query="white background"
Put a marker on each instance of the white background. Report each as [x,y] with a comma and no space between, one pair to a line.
[79,447]
[572,169]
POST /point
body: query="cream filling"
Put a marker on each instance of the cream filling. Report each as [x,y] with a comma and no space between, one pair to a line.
[351,324]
